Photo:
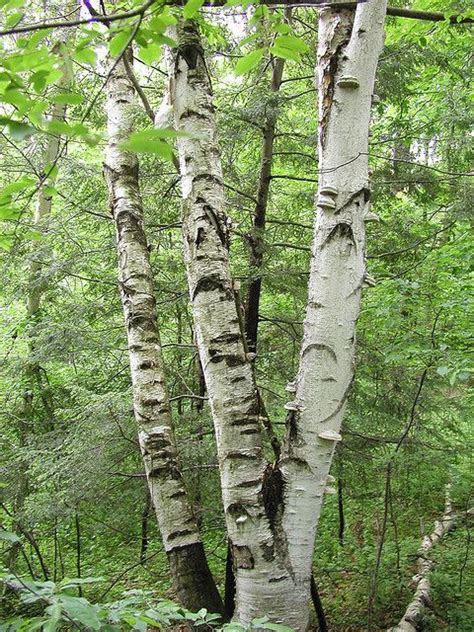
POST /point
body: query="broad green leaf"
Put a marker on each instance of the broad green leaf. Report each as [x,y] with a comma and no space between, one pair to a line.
[35,235]
[8,212]
[281,28]
[8,535]
[119,42]
[284,53]
[15,187]
[149,146]
[80,610]
[68,98]
[249,61]
[150,53]
[6,242]
[191,8]
[66,129]
[291,42]
[13,19]
[70,582]
[85,56]
[16,129]
[54,613]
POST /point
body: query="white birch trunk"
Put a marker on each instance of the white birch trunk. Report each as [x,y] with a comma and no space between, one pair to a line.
[178,527]
[350,43]
[422,596]
[250,489]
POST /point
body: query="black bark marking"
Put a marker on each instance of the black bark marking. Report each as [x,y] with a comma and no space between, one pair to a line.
[342,230]
[250,431]
[272,493]
[241,455]
[253,483]
[365,192]
[344,397]
[292,424]
[201,234]
[216,224]
[243,556]
[268,552]
[343,30]
[178,494]
[211,283]
[179,533]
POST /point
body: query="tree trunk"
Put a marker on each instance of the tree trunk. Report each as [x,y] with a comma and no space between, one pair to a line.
[256,237]
[191,576]
[350,43]
[250,488]
[421,580]
[272,511]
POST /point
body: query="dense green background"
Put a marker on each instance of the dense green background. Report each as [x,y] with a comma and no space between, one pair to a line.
[77,453]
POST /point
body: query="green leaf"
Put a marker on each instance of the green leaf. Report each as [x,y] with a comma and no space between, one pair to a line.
[291,42]
[85,56]
[71,582]
[284,53]
[6,242]
[191,8]
[144,146]
[149,54]
[35,235]
[151,142]
[283,28]
[13,19]
[54,613]
[442,370]
[68,98]
[119,42]
[15,187]
[249,61]
[16,129]
[80,610]
[8,212]
[8,535]
[60,127]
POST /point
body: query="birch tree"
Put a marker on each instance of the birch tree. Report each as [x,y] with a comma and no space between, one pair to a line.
[272,511]
[191,576]
[348,51]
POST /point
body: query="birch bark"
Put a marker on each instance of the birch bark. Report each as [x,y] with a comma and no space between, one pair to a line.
[349,46]
[191,576]
[422,596]
[250,487]
[272,511]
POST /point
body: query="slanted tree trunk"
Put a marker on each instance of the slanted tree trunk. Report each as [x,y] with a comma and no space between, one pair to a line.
[190,573]
[250,491]
[422,596]
[256,237]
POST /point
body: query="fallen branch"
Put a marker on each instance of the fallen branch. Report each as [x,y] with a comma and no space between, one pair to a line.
[425,564]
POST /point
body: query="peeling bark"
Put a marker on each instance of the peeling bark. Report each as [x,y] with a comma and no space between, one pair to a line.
[349,46]
[192,579]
